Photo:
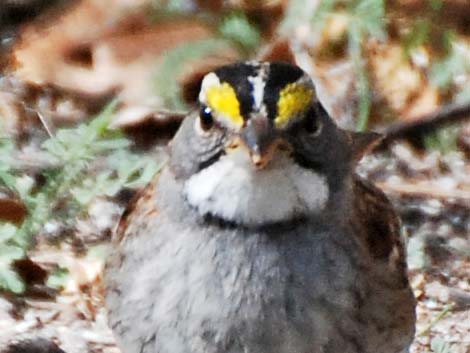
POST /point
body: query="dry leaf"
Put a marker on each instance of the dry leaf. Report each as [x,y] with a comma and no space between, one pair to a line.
[11,209]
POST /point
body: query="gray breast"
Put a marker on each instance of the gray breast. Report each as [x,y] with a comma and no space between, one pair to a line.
[184,288]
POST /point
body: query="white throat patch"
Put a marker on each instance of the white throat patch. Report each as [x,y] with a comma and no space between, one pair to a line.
[234,190]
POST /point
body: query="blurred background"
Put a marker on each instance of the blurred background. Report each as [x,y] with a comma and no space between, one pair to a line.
[92,90]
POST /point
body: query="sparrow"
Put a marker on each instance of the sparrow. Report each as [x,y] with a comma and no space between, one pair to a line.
[258,236]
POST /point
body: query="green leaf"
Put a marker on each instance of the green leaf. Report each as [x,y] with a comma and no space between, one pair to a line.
[436,5]
[367,20]
[54,146]
[166,83]
[58,278]
[6,151]
[443,72]
[7,179]
[369,16]
[439,345]
[7,232]
[69,186]
[297,13]
[323,10]
[9,280]
[111,144]
[124,169]
[145,176]
[171,5]
[23,186]
[133,170]
[8,253]
[82,143]
[236,27]
[84,193]
[100,123]
[362,83]
[417,36]
[464,95]
[443,140]
[99,252]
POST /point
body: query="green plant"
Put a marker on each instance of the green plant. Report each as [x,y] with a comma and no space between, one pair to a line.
[57,277]
[418,35]
[173,62]
[438,345]
[296,12]
[436,5]
[170,5]
[234,31]
[236,27]
[442,314]
[87,161]
[445,74]
[464,95]
[10,251]
[366,19]
[443,140]
[6,152]
[455,63]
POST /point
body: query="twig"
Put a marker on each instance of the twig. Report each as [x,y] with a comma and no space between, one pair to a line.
[448,114]
[427,189]
[443,313]
[45,123]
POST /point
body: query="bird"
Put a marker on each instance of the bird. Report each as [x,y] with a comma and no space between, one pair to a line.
[258,236]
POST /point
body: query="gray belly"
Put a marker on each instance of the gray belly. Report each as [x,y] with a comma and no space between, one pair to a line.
[289,291]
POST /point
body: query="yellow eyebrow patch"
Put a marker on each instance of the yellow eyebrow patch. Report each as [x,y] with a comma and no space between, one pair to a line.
[293,100]
[223,100]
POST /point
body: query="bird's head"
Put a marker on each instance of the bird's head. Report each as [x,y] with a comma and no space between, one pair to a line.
[261,148]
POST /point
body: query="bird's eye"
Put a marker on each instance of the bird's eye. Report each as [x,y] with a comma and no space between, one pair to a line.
[206,118]
[313,126]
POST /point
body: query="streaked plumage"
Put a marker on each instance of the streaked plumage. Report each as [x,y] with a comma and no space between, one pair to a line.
[258,237]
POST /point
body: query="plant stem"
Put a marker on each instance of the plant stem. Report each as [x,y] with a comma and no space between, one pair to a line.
[363,89]
[439,317]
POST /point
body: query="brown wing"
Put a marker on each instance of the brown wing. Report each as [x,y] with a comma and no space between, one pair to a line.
[390,309]
[377,224]
[141,206]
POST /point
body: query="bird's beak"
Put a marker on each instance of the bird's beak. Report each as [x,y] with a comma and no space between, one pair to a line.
[261,140]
